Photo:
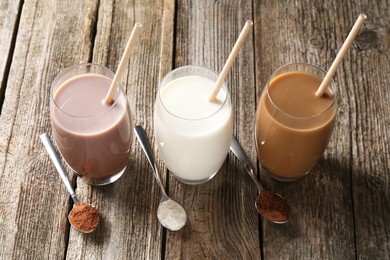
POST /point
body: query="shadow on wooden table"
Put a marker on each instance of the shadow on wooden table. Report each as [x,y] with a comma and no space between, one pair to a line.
[325,206]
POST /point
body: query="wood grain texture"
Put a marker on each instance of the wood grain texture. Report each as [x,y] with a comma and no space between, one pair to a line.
[9,19]
[31,210]
[222,220]
[329,207]
[129,228]
[367,86]
[321,225]
[340,210]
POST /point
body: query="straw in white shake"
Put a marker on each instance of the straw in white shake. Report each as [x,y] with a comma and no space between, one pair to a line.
[232,57]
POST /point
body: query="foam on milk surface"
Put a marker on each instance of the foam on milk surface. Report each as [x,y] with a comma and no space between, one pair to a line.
[81,97]
[187,97]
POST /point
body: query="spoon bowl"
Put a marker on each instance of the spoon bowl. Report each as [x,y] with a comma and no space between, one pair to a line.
[170,214]
[270,205]
[80,210]
[84,211]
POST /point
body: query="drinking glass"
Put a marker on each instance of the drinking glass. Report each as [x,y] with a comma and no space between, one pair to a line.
[93,138]
[195,146]
[289,146]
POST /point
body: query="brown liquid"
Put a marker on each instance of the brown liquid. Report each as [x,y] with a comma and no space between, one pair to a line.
[292,129]
[93,138]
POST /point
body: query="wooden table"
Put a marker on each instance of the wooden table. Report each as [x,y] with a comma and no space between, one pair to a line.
[340,210]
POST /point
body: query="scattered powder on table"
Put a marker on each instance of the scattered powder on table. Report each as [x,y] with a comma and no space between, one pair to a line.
[84,217]
[171,215]
[272,206]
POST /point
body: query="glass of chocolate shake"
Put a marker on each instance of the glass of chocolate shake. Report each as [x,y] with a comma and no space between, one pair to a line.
[92,137]
[293,125]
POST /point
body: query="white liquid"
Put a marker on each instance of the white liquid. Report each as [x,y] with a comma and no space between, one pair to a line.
[193,134]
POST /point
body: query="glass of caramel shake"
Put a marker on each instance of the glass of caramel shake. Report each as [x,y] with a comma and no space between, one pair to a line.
[293,125]
[94,138]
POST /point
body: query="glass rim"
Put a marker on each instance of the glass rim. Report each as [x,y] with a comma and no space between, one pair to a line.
[332,86]
[224,86]
[67,69]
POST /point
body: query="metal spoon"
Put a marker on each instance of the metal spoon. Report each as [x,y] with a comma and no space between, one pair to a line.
[278,211]
[78,207]
[170,214]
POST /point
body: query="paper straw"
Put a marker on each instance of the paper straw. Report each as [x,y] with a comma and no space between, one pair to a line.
[123,63]
[232,57]
[340,56]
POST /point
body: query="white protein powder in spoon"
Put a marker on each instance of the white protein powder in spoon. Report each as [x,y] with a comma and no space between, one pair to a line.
[171,215]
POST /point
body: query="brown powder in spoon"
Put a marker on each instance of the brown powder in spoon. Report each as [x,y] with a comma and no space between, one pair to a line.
[84,217]
[272,206]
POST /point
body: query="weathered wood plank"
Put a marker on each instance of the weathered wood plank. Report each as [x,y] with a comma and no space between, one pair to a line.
[327,201]
[9,15]
[347,194]
[322,222]
[222,220]
[130,229]
[367,86]
[34,202]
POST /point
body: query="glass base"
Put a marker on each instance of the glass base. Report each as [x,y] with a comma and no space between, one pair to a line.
[193,182]
[281,178]
[101,182]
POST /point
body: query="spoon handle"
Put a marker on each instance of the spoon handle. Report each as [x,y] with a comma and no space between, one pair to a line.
[57,163]
[236,148]
[143,140]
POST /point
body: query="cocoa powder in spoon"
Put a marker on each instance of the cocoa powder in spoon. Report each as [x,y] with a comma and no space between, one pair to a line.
[84,217]
[272,206]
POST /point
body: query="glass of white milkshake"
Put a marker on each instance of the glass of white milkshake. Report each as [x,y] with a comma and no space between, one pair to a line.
[192,133]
